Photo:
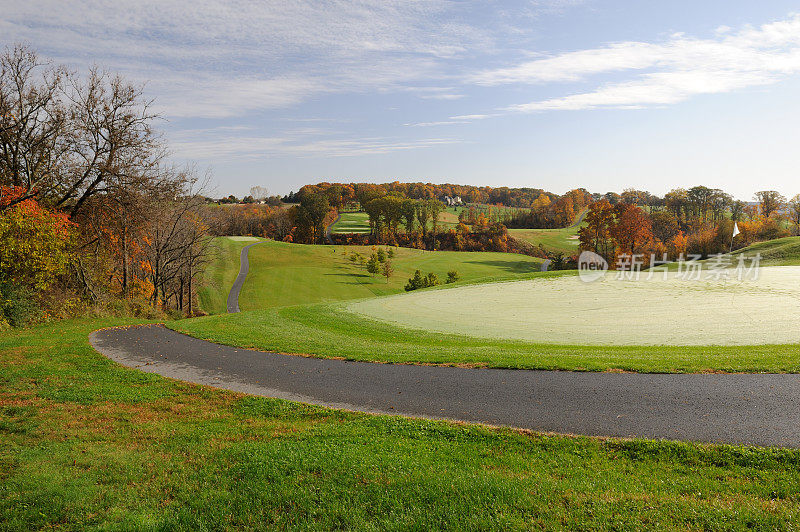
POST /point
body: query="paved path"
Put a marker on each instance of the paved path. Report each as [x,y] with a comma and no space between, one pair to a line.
[741,409]
[329,229]
[244,268]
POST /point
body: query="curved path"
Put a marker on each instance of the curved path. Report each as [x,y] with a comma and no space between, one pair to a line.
[329,229]
[761,409]
[244,268]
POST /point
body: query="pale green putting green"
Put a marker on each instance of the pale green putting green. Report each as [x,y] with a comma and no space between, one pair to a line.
[566,310]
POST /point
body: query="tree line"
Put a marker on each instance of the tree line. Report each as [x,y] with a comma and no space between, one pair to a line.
[695,221]
[81,151]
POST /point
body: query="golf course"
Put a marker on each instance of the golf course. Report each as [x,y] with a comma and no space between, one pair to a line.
[311,300]
[399,266]
[99,427]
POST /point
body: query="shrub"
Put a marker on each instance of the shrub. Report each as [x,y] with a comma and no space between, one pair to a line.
[390,253]
[452,276]
[381,255]
[420,281]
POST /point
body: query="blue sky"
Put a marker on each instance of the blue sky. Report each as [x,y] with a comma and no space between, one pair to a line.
[551,93]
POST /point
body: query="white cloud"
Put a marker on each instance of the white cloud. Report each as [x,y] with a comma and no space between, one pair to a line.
[459,119]
[674,70]
[217,58]
[205,145]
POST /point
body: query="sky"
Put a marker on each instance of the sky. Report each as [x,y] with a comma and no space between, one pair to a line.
[552,94]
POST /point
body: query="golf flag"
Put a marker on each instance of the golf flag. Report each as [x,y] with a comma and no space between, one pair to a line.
[735,229]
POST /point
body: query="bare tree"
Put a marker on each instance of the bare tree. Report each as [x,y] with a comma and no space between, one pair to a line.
[34,137]
[259,193]
[64,140]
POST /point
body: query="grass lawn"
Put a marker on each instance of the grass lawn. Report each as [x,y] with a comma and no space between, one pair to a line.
[284,274]
[296,275]
[332,332]
[352,222]
[220,273]
[779,252]
[88,444]
[564,240]
[358,222]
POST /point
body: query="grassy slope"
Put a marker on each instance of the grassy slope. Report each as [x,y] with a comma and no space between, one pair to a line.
[220,274]
[284,274]
[551,239]
[780,252]
[85,443]
[562,240]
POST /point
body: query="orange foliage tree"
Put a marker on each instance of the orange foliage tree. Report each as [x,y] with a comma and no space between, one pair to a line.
[34,241]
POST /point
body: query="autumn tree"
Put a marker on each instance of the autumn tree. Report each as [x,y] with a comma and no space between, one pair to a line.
[770,202]
[632,229]
[664,225]
[794,212]
[387,270]
[595,235]
[34,241]
[311,213]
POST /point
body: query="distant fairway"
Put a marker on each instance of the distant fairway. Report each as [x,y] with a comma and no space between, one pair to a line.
[284,274]
[351,222]
[564,240]
[566,310]
[221,271]
[358,222]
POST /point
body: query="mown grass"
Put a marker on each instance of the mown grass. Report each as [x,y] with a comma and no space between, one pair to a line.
[563,240]
[330,332]
[351,222]
[88,444]
[219,274]
[358,222]
[284,274]
[779,252]
[554,240]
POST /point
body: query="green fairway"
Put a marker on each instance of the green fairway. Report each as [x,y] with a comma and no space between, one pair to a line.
[564,240]
[220,273]
[88,444]
[358,222]
[554,240]
[351,222]
[284,274]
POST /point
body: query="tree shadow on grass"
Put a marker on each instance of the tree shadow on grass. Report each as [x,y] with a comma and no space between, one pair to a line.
[350,278]
[510,266]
